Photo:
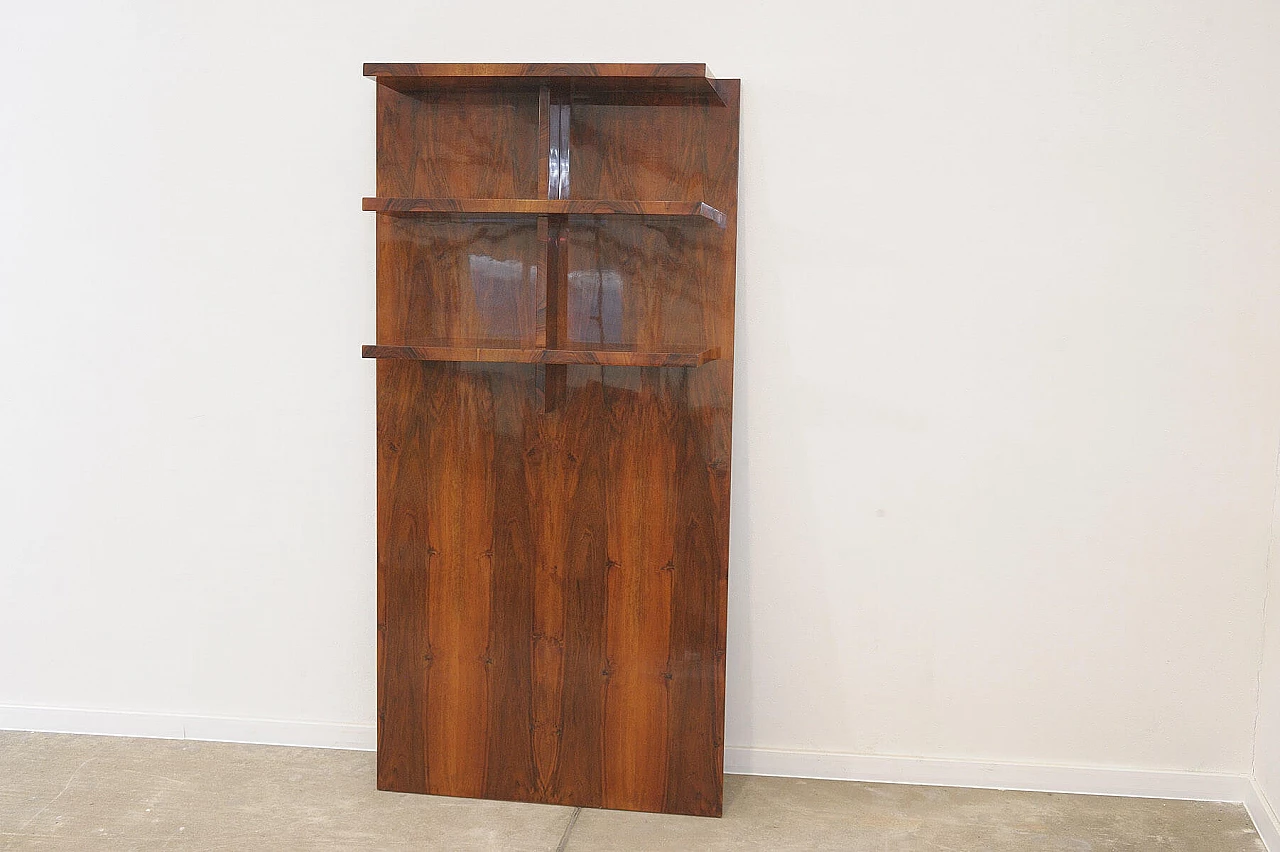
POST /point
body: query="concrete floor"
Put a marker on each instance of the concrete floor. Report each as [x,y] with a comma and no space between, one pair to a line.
[66,792]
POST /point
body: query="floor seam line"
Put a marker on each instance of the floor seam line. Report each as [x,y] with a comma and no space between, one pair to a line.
[568,829]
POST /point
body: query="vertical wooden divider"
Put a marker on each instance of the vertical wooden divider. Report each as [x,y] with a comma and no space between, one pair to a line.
[559,97]
[557,243]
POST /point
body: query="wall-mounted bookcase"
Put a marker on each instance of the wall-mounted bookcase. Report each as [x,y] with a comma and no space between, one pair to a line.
[555,288]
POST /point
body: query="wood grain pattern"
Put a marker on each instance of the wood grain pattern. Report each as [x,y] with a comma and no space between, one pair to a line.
[658,285]
[466,144]
[441,281]
[554,431]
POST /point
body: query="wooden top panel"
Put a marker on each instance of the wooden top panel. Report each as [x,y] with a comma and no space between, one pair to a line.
[535,69]
[590,77]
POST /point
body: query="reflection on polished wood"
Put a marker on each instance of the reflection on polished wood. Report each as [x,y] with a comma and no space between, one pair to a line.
[499,207]
[555,399]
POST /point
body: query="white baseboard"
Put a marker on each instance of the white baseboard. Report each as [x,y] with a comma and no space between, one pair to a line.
[1263,816]
[1141,783]
[177,727]
[1205,786]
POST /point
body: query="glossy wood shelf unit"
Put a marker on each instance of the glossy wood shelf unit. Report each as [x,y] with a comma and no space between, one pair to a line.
[502,207]
[553,537]
[506,355]
[586,78]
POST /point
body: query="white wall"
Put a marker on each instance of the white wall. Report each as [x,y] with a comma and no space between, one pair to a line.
[1007,409]
[1266,756]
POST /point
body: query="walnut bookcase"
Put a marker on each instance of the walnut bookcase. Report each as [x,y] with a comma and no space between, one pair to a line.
[555,287]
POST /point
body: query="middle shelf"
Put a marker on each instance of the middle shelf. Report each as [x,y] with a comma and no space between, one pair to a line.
[603,356]
[541,206]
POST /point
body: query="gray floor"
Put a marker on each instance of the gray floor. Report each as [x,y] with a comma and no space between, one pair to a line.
[61,791]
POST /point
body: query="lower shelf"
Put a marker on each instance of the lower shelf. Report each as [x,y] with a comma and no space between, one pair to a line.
[603,356]
[502,207]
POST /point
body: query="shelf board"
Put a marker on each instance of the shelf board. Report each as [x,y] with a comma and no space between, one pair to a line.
[589,78]
[503,207]
[603,356]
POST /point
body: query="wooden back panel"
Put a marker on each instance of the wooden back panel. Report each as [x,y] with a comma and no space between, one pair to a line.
[553,540]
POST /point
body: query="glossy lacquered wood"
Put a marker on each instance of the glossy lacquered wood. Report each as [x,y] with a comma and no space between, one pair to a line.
[587,79]
[501,207]
[605,357]
[554,410]
[506,71]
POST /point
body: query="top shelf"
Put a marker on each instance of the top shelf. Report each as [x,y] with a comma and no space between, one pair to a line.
[590,78]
